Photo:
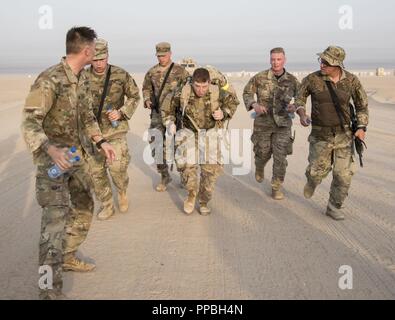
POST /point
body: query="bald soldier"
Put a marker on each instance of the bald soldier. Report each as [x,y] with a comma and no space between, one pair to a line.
[331,139]
[159,81]
[269,94]
[118,102]
[57,116]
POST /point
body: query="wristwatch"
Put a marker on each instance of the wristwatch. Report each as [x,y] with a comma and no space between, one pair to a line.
[98,144]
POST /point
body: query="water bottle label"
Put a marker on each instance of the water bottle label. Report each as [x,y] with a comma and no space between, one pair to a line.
[53,171]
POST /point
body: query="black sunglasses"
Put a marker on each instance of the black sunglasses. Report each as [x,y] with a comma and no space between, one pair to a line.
[324,62]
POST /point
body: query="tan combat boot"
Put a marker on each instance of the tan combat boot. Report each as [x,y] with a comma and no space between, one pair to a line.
[334,213]
[162,186]
[72,263]
[308,190]
[259,175]
[189,203]
[204,209]
[277,194]
[107,210]
[123,202]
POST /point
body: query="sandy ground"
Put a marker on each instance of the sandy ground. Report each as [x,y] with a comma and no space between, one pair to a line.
[251,247]
[380,89]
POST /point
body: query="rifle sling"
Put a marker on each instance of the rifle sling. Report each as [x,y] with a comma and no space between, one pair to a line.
[336,103]
[104,94]
[157,98]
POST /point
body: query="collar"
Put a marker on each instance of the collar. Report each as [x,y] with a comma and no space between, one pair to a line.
[326,78]
[69,73]
[271,75]
[206,96]
[164,68]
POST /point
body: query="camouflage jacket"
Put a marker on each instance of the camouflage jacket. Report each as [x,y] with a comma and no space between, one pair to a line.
[58,110]
[121,86]
[197,112]
[154,78]
[323,112]
[273,94]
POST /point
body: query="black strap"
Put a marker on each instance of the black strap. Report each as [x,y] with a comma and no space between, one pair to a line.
[336,102]
[104,94]
[157,98]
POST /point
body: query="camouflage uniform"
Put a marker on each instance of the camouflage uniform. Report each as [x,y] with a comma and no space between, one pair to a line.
[58,110]
[198,116]
[330,145]
[272,131]
[121,85]
[151,86]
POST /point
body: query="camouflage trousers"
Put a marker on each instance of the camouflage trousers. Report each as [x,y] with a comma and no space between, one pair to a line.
[209,174]
[156,123]
[273,141]
[331,149]
[118,170]
[67,211]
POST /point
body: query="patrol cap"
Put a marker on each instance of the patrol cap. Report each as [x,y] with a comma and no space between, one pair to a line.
[334,56]
[162,48]
[101,49]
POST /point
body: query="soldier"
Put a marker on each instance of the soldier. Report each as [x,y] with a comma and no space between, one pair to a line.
[274,90]
[331,137]
[122,97]
[204,106]
[216,76]
[57,115]
[189,64]
[153,97]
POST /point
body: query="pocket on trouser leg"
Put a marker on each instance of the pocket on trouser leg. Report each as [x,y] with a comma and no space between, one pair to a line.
[255,139]
[190,177]
[52,192]
[125,160]
[51,236]
[344,166]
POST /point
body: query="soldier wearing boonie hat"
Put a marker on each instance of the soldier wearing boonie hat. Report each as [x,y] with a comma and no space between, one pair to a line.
[334,56]
[331,90]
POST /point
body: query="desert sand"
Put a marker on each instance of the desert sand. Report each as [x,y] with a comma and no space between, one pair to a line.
[251,247]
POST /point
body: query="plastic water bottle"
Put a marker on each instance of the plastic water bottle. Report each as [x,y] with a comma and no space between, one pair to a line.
[71,151]
[114,123]
[55,172]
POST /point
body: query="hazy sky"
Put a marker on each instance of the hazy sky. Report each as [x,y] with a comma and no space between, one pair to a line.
[211,31]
